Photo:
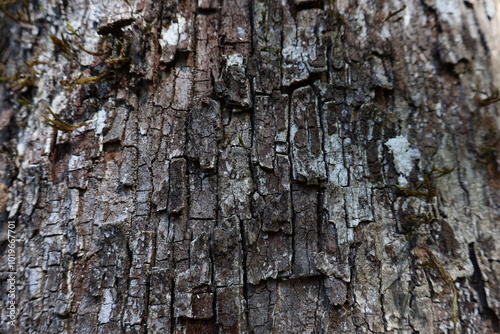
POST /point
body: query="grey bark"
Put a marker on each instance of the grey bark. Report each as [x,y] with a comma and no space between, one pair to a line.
[250,166]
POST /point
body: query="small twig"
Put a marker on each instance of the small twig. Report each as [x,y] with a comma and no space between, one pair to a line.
[494,97]
[20,15]
[89,52]
[57,123]
[429,194]
[392,14]
[425,218]
[61,44]
[72,30]
[442,172]
[103,76]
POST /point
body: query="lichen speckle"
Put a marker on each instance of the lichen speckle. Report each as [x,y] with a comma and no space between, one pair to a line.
[403,156]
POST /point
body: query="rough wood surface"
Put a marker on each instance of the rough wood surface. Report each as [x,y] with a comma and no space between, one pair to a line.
[250,166]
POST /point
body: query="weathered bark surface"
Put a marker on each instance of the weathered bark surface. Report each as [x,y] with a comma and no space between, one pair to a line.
[237,172]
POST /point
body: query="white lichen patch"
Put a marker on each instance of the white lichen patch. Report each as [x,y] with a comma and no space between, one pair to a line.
[176,37]
[449,11]
[241,31]
[234,59]
[100,121]
[106,307]
[170,36]
[403,156]
[76,162]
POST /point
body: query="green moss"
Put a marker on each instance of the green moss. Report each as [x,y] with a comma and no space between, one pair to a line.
[392,14]
[20,15]
[263,17]
[57,123]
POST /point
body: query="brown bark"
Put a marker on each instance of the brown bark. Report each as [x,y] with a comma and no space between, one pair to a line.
[250,166]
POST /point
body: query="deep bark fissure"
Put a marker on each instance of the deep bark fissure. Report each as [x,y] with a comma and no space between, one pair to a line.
[478,284]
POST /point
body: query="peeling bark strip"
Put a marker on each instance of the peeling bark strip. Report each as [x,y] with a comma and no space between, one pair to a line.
[249,166]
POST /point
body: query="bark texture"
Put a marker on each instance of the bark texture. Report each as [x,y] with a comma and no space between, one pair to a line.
[251,166]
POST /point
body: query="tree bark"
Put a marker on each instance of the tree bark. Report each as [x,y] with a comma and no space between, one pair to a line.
[250,166]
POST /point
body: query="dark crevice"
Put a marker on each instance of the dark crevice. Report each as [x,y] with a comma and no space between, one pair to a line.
[234,43]
[127,278]
[477,283]
[260,94]
[172,303]
[246,285]
[293,216]
[60,152]
[382,97]
[463,186]
[115,28]
[310,5]
[322,219]
[313,77]
[183,59]
[295,8]
[430,12]
[448,68]
[245,266]
[292,7]
[207,11]
[218,217]
[59,158]
[112,146]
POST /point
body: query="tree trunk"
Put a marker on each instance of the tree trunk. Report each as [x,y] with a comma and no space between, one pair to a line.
[250,166]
